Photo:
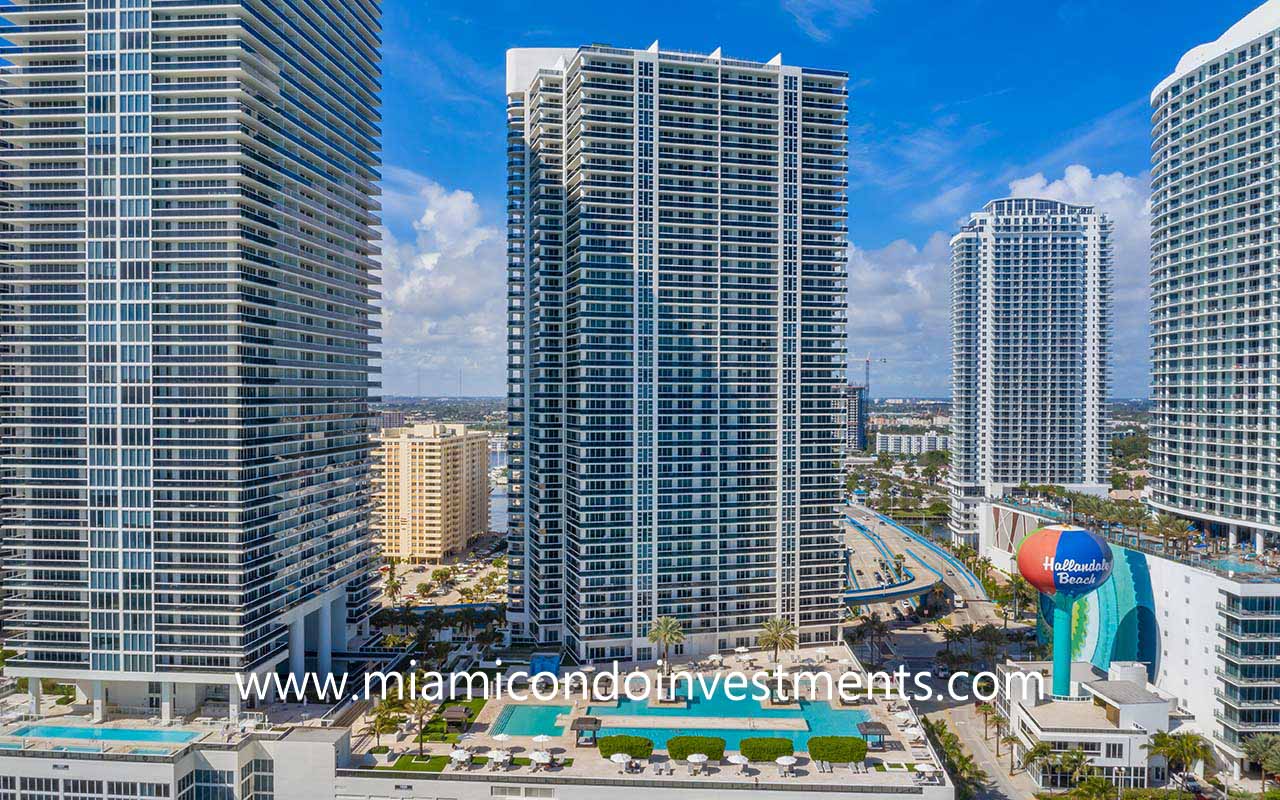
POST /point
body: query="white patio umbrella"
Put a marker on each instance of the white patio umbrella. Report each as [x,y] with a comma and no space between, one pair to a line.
[459,755]
[785,761]
[715,657]
[587,668]
[741,650]
[540,756]
[542,737]
[619,758]
[502,737]
[739,759]
[696,758]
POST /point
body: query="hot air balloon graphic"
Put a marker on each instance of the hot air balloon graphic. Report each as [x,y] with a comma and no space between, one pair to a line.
[1065,563]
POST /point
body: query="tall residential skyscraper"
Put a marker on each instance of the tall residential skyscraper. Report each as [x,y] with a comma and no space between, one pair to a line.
[188,298]
[855,418]
[1215,454]
[1030,341]
[431,491]
[677,248]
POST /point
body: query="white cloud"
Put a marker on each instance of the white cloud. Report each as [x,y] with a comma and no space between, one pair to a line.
[946,203]
[819,18]
[899,296]
[444,299]
[899,311]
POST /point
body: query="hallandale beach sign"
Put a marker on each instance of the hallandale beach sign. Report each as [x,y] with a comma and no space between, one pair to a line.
[1063,559]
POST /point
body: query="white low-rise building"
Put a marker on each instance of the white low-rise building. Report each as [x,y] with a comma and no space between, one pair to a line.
[1111,717]
[911,443]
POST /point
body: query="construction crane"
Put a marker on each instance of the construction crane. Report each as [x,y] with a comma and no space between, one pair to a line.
[866,372]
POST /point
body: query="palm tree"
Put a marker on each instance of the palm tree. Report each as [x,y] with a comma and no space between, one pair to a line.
[1037,755]
[952,636]
[1168,528]
[420,709]
[1270,764]
[1001,724]
[1075,764]
[666,632]
[391,589]
[986,710]
[871,628]
[385,720]
[968,633]
[424,590]
[1010,741]
[1020,589]
[777,634]
[1261,747]
[1182,751]
[1094,787]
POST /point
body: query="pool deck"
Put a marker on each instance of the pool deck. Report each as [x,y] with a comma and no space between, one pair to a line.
[893,765]
[9,736]
[717,723]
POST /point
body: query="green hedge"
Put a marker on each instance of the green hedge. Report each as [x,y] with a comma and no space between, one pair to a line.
[837,749]
[634,746]
[765,748]
[1153,794]
[679,747]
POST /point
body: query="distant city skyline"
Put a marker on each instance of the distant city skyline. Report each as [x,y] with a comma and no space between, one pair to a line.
[935,131]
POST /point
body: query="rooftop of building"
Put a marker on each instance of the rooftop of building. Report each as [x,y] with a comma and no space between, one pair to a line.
[1211,553]
[1077,714]
[431,431]
[904,763]
[504,728]
[523,63]
[1261,21]
[1125,692]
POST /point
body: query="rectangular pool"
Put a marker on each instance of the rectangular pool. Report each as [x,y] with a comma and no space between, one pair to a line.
[106,734]
[517,720]
[820,719]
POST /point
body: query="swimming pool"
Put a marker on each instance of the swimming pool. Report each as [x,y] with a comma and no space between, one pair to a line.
[544,662]
[820,718]
[1235,565]
[530,720]
[106,734]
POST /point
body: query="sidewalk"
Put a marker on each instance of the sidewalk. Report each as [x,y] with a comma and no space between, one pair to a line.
[967,724]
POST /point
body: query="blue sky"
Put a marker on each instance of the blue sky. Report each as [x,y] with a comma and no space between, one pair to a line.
[951,105]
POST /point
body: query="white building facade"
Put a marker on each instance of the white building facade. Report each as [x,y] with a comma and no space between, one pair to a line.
[188,310]
[1031,335]
[1208,628]
[1215,453]
[911,443]
[677,280]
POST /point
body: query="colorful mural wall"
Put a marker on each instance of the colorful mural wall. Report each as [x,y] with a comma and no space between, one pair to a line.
[1118,622]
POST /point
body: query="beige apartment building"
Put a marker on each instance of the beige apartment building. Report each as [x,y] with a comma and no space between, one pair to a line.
[431,484]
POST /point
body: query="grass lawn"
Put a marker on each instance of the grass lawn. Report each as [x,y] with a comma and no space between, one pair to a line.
[412,763]
[435,728]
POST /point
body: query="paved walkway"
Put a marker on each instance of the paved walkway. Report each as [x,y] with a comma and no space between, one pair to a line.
[967,724]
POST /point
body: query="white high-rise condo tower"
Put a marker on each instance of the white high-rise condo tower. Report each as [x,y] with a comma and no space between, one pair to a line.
[1215,454]
[1030,340]
[1215,435]
[677,258]
[187,286]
